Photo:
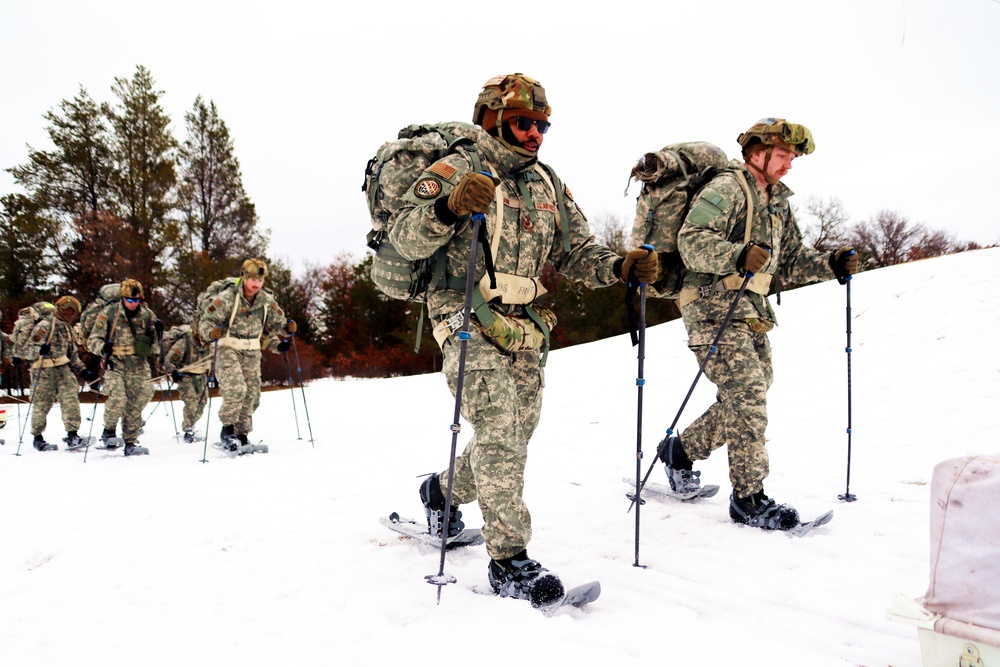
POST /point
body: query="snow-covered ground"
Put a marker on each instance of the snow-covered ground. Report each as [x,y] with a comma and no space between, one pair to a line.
[280,559]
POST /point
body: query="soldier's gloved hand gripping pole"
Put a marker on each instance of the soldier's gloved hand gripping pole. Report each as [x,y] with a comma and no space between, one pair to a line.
[713,348]
[478,237]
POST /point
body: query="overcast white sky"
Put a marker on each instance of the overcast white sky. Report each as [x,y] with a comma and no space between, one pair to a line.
[902,96]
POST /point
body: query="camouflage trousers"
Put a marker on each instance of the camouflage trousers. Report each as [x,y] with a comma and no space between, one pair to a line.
[238,372]
[193,392]
[741,371]
[128,388]
[54,384]
[502,400]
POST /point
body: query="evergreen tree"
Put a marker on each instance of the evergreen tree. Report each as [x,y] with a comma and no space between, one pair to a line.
[26,262]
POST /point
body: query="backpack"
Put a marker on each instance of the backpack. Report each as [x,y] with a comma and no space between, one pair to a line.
[206,297]
[388,177]
[171,336]
[670,178]
[107,294]
[27,318]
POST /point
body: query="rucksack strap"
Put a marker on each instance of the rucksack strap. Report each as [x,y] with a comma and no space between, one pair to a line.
[553,181]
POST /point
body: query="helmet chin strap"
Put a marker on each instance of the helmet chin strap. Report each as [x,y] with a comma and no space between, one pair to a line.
[771,180]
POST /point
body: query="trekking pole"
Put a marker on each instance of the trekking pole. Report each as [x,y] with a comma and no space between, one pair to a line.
[441,579]
[640,381]
[847,496]
[17,377]
[173,413]
[208,388]
[302,386]
[27,413]
[712,349]
[291,386]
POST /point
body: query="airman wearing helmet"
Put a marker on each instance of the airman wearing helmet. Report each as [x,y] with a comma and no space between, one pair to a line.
[531,221]
[741,227]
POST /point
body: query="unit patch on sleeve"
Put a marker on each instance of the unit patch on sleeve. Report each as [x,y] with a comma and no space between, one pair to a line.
[427,188]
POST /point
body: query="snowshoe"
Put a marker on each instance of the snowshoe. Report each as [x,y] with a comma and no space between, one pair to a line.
[132,449]
[683,479]
[760,511]
[43,446]
[189,435]
[433,499]
[109,440]
[525,579]
[74,441]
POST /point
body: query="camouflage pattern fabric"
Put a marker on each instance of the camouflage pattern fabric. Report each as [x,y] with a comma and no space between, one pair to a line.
[238,371]
[502,391]
[6,346]
[193,387]
[127,380]
[741,369]
[58,383]
[502,399]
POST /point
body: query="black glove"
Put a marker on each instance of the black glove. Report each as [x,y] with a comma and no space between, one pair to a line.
[45,350]
[753,258]
[158,325]
[88,375]
[283,346]
[17,361]
[108,348]
[176,376]
[844,263]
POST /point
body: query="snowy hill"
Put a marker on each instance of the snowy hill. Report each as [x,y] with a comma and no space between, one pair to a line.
[280,559]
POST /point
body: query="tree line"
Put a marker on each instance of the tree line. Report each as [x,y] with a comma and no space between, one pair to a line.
[118,195]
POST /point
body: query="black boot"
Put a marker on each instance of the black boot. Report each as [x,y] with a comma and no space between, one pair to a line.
[433,499]
[229,439]
[524,578]
[107,435]
[682,478]
[40,443]
[759,511]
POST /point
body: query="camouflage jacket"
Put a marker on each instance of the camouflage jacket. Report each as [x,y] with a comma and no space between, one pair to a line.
[6,346]
[113,315]
[711,240]
[185,351]
[525,244]
[62,342]
[249,321]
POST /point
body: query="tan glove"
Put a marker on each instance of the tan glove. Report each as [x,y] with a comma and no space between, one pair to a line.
[473,194]
[291,326]
[216,333]
[844,262]
[753,258]
[645,263]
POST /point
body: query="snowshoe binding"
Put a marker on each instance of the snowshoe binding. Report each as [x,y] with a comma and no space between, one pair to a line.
[759,511]
[525,579]
[683,479]
[189,435]
[43,446]
[110,441]
[74,441]
[132,449]
[433,499]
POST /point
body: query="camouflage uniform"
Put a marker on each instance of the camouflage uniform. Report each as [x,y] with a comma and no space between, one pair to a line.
[502,390]
[238,370]
[186,353]
[54,373]
[710,242]
[127,380]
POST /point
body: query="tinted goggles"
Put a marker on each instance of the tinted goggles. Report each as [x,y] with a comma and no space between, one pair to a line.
[129,299]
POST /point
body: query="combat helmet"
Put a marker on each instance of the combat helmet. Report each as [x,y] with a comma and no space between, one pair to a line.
[254,269]
[68,308]
[771,132]
[132,289]
[509,95]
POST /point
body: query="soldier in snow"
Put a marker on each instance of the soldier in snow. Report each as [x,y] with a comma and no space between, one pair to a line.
[529,221]
[188,361]
[125,334]
[243,318]
[52,350]
[720,242]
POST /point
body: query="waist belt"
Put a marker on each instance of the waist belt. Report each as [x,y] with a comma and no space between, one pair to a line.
[123,350]
[759,284]
[240,343]
[51,363]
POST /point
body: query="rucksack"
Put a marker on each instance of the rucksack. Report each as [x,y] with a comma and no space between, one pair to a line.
[171,336]
[27,318]
[206,297]
[388,177]
[107,294]
[670,178]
